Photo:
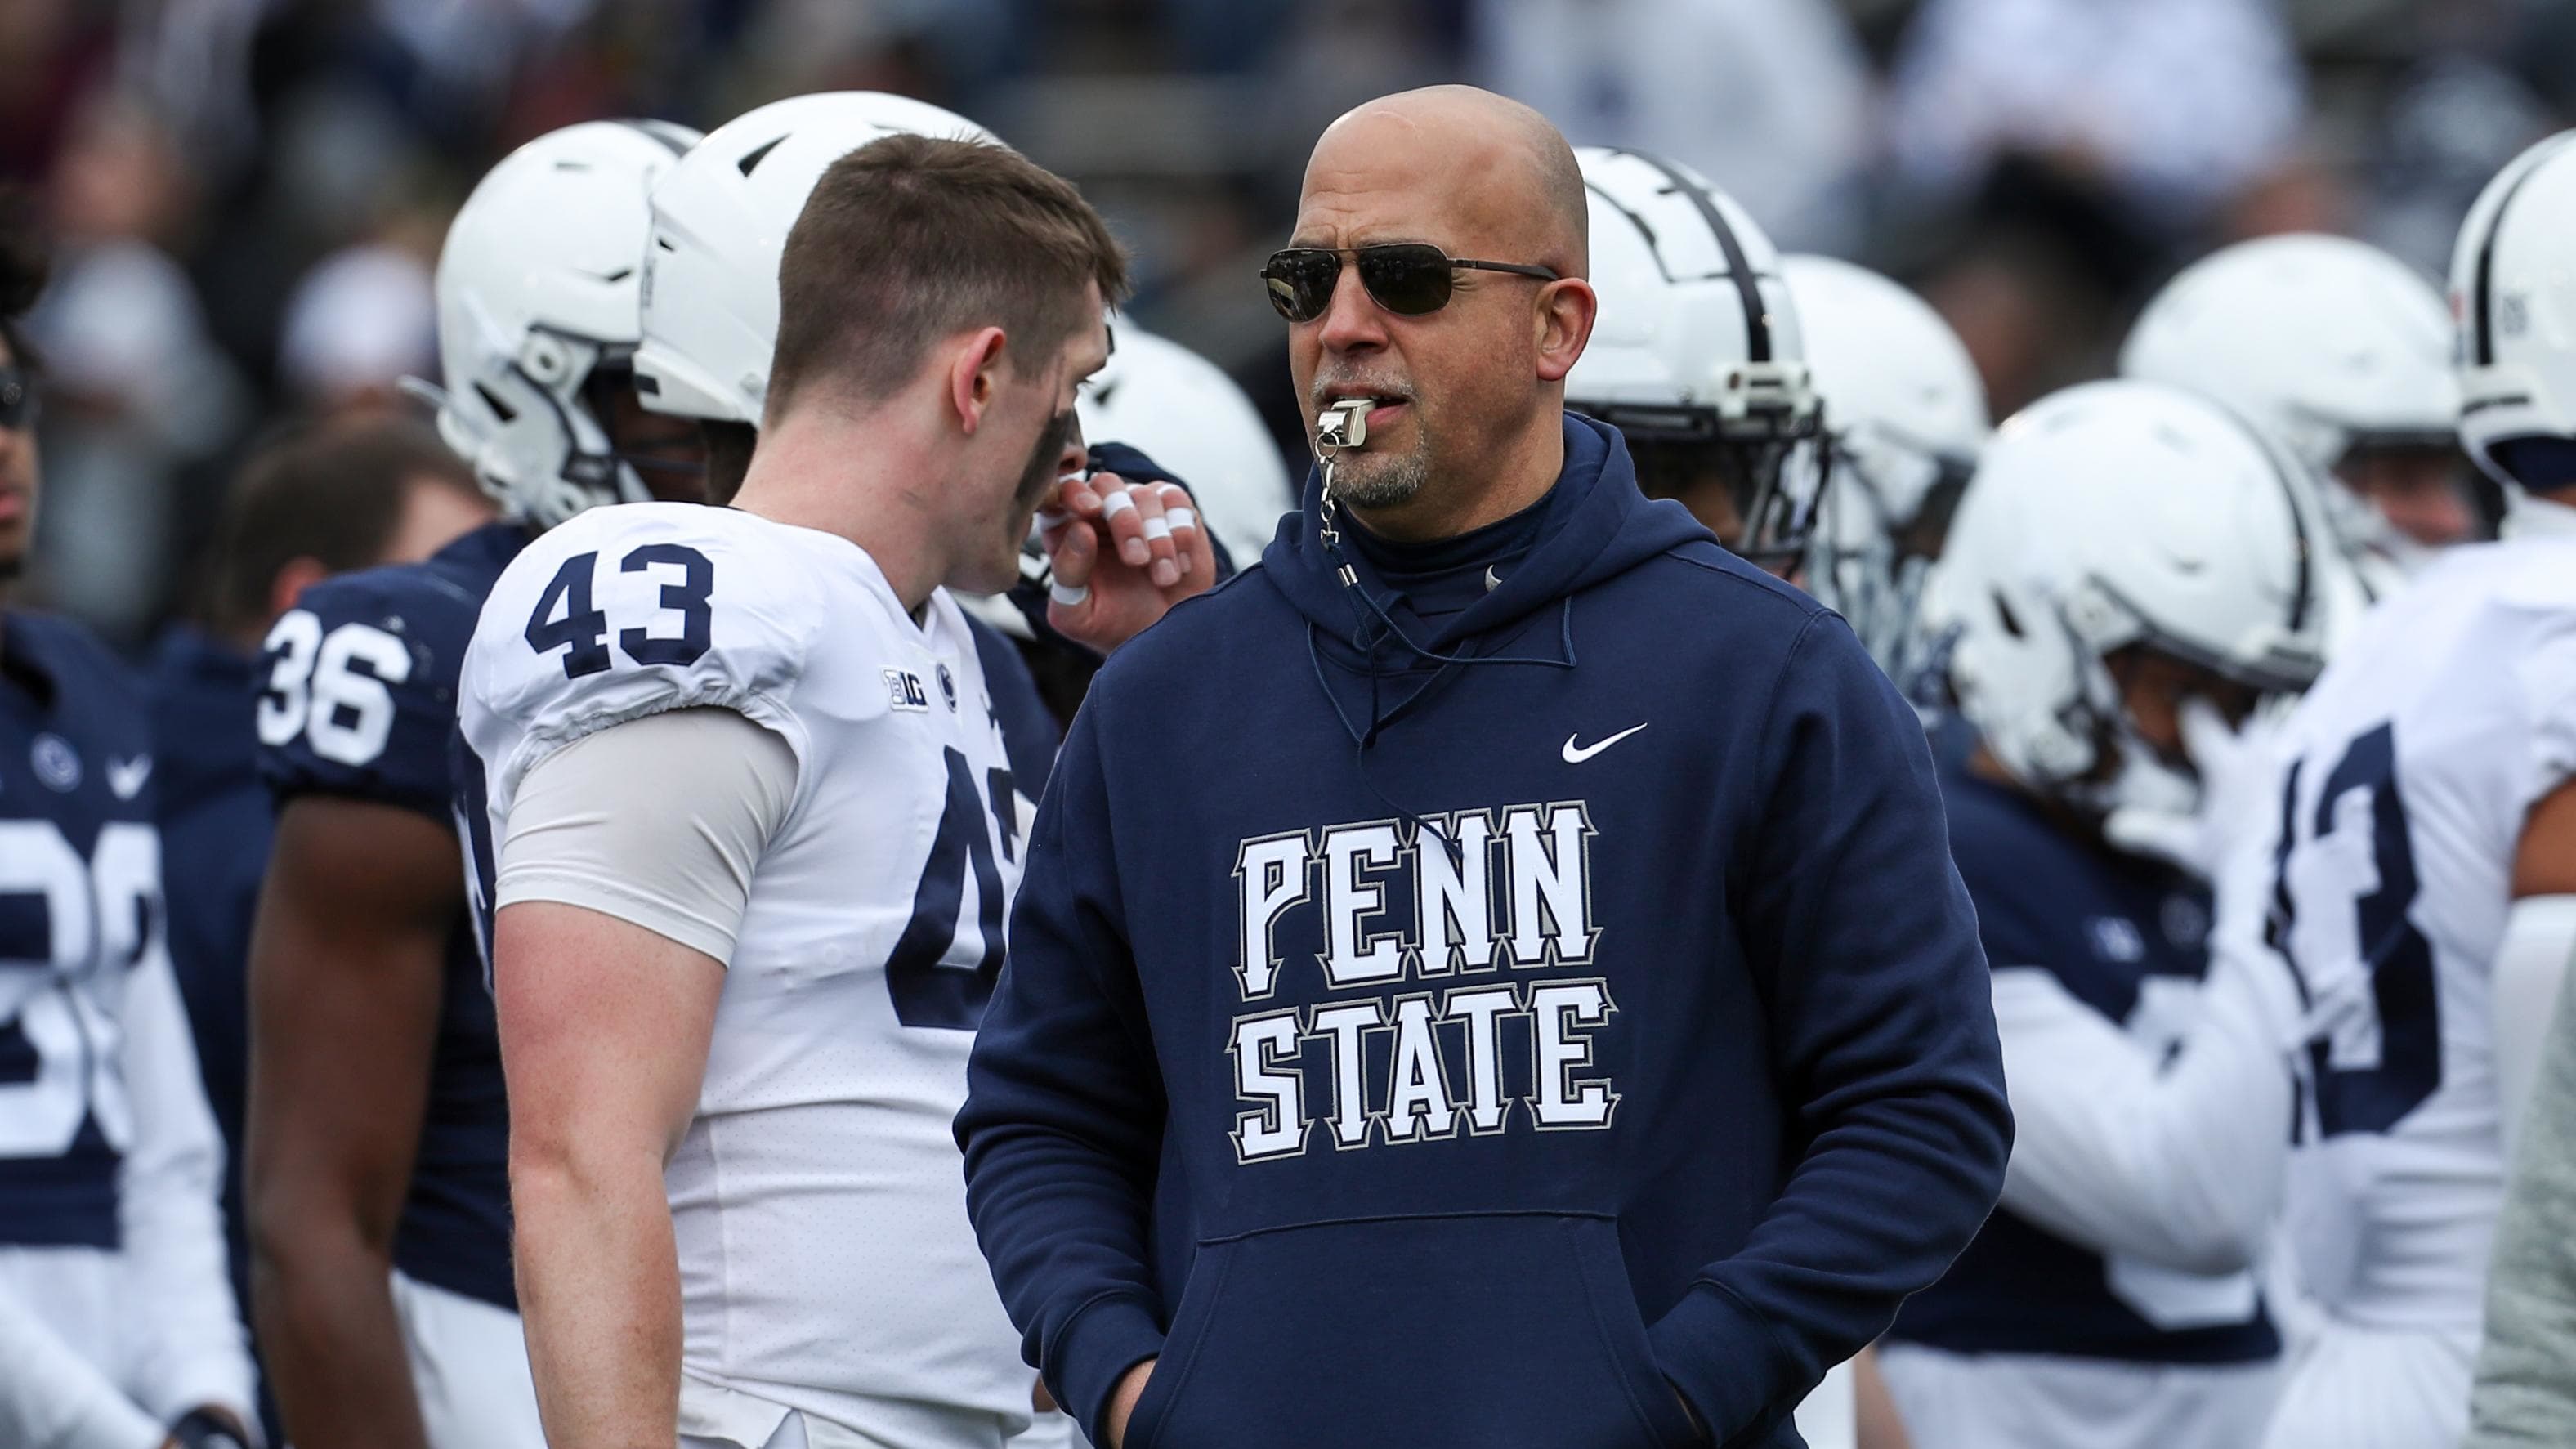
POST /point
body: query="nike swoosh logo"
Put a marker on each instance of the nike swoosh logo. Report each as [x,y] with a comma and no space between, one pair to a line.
[126,777]
[1576,754]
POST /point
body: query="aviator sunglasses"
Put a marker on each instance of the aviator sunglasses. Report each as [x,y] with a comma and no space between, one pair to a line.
[1408,278]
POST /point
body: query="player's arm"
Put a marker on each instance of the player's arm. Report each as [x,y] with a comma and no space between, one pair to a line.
[1863,946]
[190,1350]
[1063,1115]
[2178,1163]
[604,1033]
[346,971]
[617,907]
[2526,1384]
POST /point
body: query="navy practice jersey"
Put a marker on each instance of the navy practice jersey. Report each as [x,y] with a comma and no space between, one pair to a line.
[79,910]
[2129,939]
[1029,733]
[215,827]
[358,700]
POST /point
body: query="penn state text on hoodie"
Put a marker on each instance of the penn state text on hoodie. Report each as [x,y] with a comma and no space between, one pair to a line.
[1476,1053]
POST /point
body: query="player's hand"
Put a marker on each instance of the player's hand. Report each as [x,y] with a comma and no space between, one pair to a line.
[208,1426]
[1122,554]
[2235,775]
[1122,1401]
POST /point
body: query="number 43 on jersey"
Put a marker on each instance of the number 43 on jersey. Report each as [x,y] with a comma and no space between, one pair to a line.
[940,974]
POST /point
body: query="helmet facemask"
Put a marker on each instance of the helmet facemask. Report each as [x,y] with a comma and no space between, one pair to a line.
[1869,561]
[1769,462]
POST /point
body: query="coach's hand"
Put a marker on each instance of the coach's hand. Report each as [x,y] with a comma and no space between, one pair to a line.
[1122,554]
[1122,1401]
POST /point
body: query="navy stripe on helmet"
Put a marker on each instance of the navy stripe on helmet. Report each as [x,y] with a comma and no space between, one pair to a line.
[2482,299]
[660,131]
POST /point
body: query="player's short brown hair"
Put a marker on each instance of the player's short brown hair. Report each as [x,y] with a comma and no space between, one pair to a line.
[330,491]
[909,239]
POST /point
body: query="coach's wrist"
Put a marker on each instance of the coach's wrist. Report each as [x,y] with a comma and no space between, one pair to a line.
[1122,1402]
[1094,1350]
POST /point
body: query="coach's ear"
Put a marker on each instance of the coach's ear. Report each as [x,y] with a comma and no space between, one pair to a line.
[974,375]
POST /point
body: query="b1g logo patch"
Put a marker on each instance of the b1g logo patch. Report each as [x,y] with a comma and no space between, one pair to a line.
[904,690]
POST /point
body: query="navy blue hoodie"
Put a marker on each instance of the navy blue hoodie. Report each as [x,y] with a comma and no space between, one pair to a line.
[1420,1053]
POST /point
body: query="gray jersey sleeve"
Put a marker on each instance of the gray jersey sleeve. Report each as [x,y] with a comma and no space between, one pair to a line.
[657,821]
[2526,1386]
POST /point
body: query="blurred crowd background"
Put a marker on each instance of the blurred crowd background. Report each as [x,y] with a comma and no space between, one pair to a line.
[247,196]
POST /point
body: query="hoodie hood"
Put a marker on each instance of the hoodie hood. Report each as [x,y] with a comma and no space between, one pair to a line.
[1597,525]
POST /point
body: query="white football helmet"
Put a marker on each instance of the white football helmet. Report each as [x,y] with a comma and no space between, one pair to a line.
[2336,347]
[2515,297]
[1697,356]
[1906,414]
[2107,515]
[720,224]
[1183,412]
[537,287]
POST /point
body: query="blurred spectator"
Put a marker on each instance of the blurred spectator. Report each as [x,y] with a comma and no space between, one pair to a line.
[358,324]
[2453,120]
[142,392]
[2061,156]
[310,504]
[1770,99]
[51,53]
[2176,105]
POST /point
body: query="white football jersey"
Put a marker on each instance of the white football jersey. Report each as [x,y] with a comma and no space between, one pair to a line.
[826,1261]
[2409,769]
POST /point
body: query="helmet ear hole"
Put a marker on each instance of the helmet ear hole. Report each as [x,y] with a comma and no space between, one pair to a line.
[2004,614]
[492,400]
[545,359]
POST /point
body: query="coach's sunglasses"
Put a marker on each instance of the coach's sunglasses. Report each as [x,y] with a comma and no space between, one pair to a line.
[1409,278]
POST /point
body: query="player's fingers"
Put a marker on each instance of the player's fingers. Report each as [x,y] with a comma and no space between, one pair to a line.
[1080,497]
[1052,514]
[1190,541]
[1125,522]
[2206,738]
[1072,553]
[1155,524]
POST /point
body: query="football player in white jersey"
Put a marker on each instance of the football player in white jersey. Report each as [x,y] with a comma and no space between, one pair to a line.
[376,1157]
[2128,559]
[2342,352]
[2421,883]
[1906,415]
[755,983]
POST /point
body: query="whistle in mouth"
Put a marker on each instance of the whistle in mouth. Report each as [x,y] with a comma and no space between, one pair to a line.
[1343,425]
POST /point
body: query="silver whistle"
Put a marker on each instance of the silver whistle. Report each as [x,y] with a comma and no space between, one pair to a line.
[1343,425]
